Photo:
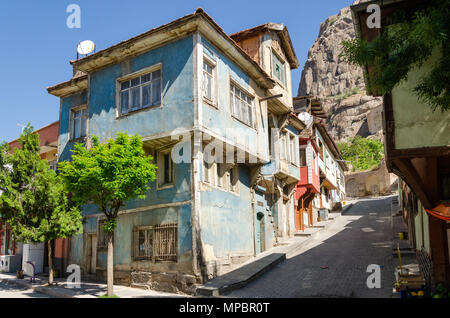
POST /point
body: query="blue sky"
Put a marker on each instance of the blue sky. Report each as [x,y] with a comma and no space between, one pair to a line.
[37,45]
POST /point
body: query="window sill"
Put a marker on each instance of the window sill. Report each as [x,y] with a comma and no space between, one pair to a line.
[78,140]
[210,103]
[139,111]
[207,184]
[165,186]
[242,122]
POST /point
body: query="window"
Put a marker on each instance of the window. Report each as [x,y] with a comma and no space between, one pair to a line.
[157,243]
[233,178]
[241,105]
[278,69]
[140,92]
[143,243]
[53,165]
[165,168]
[208,81]
[79,122]
[102,241]
[293,149]
[303,157]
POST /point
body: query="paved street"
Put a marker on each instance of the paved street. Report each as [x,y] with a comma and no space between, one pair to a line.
[335,263]
[11,290]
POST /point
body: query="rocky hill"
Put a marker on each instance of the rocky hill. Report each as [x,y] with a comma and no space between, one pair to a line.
[340,85]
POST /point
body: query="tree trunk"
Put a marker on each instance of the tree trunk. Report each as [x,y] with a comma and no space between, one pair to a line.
[50,263]
[110,265]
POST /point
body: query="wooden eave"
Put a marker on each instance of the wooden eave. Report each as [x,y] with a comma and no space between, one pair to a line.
[196,22]
[282,33]
[70,87]
[296,123]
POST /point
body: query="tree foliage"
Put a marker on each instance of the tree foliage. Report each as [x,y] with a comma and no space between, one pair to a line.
[109,174]
[33,200]
[406,44]
[363,153]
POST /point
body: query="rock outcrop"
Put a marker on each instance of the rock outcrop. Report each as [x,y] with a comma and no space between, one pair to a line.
[340,85]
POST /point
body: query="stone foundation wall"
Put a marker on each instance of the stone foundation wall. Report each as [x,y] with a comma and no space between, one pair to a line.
[165,282]
[377,181]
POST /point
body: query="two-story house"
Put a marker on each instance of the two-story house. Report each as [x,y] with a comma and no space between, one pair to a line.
[271,47]
[204,108]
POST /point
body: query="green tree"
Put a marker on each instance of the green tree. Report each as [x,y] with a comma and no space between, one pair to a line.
[109,174]
[363,153]
[33,200]
[408,42]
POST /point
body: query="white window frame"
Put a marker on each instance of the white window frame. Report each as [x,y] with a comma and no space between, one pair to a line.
[84,115]
[213,101]
[239,116]
[134,75]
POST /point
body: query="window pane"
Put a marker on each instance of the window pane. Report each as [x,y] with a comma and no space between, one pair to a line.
[167,169]
[124,101]
[156,74]
[135,81]
[244,111]
[250,117]
[146,78]
[208,88]
[83,123]
[146,95]
[125,85]
[142,243]
[135,97]
[233,110]
[156,92]
[76,128]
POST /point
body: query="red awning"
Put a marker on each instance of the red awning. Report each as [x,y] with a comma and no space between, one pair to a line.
[441,211]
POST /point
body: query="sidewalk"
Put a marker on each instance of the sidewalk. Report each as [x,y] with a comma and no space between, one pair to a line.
[86,290]
[254,268]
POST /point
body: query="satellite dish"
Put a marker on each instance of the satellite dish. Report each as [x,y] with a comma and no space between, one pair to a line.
[85,47]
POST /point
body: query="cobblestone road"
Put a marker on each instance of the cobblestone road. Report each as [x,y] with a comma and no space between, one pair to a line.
[11,290]
[335,263]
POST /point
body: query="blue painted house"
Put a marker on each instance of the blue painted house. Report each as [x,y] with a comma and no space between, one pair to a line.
[217,121]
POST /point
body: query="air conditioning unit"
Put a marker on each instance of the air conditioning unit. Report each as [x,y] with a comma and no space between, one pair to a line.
[10,263]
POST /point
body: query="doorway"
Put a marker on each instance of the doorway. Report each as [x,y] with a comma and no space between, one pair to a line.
[92,253]
[260,233]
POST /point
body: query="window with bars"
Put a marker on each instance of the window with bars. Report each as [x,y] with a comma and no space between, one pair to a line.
[241,105]
[140,92]
[79,122]
[156,243]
